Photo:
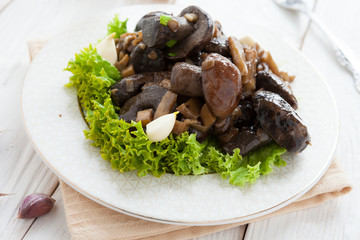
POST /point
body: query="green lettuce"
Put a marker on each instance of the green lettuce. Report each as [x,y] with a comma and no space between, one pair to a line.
[117,26]
[92,76]
[127,148]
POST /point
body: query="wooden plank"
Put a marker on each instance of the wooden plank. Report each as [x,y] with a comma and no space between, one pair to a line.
[22,172]
[337,219]
[41,180]
[4,4]
[230,234]
[51,226]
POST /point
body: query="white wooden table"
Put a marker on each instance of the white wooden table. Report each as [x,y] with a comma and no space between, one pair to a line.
[22,171]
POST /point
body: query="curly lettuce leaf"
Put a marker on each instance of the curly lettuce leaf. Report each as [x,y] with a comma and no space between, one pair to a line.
[127,147]
[257,163]
[92,76]
[117,26]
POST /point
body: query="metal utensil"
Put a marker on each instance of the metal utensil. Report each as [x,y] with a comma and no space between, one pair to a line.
[345,59]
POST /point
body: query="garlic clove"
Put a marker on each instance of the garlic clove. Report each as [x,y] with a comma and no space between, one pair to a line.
[35,205]
[107,49]
[161,127]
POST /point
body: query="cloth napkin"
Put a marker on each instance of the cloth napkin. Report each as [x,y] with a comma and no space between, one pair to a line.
[89,220]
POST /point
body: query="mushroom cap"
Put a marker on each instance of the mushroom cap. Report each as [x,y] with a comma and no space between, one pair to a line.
[270,82]
[186,80]
[280,121]
[155,34]
[221,81]
[150,97]
[141,23]
[130,86]
[204,30]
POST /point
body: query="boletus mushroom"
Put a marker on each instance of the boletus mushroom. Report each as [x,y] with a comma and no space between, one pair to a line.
[270,82]
[142,22]
[247,140]
[280,121]
[130,86]
[221,81]
[150,97]
[186,80]
[156,34]
[204,30]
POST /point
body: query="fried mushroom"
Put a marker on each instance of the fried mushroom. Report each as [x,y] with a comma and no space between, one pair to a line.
[221,81]
[204,29]
[150,97]
[130,86]
[186,80]
[280,121]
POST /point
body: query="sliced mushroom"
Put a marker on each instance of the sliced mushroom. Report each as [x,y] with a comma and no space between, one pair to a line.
[247,140]
[280,121]
[270,82]
[130,86]
[127,41]
[191,108]
[221,81]
[166,105]
[186,80]
[268,59]
[165,83]
[143,60]
[248,80]
[217,29]
[207,118]
[194,123]
[238,55]
[123,63]
[150,97]
[195,105]
[186,112]
[128,71]
[200,127]
[180,127]
[204,29]
[145,116]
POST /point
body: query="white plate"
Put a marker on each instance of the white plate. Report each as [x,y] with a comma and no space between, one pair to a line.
[55,126]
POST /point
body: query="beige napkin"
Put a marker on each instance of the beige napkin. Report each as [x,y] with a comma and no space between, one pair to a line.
[89,220]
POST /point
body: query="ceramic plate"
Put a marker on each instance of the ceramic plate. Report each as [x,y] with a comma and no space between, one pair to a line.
[55,126]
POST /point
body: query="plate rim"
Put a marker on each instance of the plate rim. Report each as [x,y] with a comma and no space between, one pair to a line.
[187,223]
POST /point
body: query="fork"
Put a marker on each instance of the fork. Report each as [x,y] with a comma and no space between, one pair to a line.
[344,57]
